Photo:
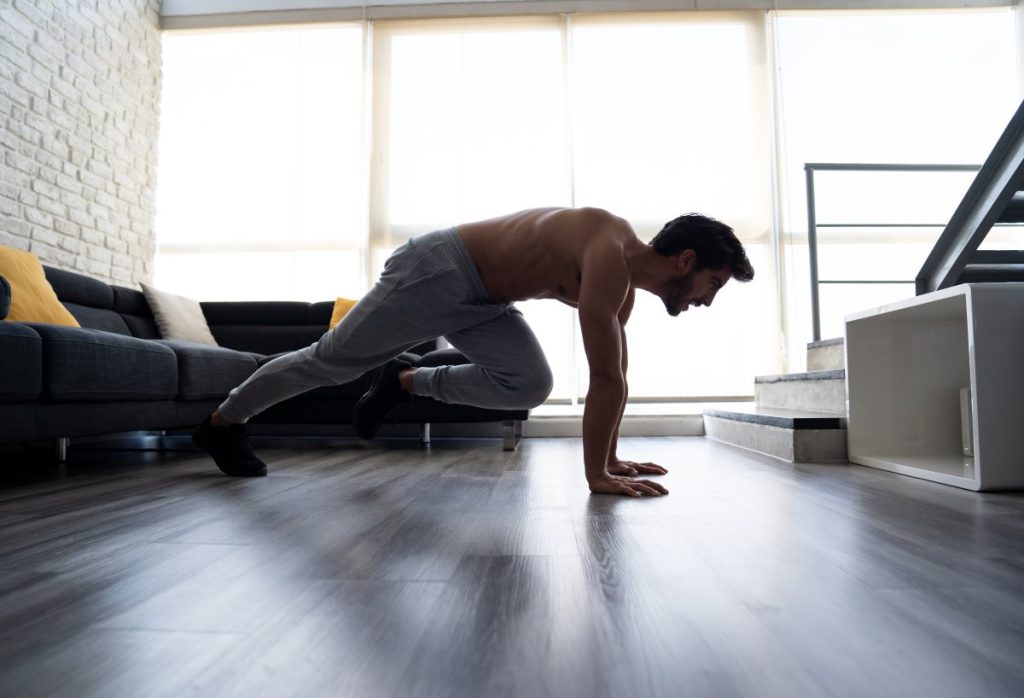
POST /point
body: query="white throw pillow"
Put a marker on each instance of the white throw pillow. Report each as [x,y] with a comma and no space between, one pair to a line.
[178,317]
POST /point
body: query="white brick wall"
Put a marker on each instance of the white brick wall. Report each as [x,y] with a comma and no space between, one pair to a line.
[79,107]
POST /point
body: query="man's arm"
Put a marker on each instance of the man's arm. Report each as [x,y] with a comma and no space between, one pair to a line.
[624,313]
[603,291]
[615,465]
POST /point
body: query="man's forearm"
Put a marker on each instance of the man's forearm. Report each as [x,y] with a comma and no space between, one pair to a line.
[600,423]
[614,447]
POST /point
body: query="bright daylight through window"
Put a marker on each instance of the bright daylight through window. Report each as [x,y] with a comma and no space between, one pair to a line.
[294,159]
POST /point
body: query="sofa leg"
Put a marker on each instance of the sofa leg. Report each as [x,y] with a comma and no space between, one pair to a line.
[511,432]
[425,433]
[61,449]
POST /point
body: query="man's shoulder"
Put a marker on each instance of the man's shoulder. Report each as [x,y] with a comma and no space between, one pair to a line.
[604,222]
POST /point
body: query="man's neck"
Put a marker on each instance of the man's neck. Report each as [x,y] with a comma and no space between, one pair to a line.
[647,268]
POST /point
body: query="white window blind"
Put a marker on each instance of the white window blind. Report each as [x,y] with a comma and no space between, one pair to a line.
[470,122]
[261,186]
[670,115]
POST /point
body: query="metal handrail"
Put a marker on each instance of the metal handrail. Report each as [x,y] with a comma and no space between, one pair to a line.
[812,225]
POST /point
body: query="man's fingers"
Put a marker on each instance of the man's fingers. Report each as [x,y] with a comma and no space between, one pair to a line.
[651,468]
[645,489]
[629,487]
[658,489]
[622,469]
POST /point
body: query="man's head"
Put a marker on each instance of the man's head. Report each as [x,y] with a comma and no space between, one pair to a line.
[706,253]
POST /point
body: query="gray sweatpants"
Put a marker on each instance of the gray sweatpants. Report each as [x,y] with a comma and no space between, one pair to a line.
[430,288]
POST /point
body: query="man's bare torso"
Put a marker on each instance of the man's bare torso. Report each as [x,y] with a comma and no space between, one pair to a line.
[537,253]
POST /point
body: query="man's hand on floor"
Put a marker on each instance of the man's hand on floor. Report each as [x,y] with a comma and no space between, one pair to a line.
[626,486]
[632,469]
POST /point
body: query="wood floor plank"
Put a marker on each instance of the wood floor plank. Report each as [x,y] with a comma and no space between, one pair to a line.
[390,569]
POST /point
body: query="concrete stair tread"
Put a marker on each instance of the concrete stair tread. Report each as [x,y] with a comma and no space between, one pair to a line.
[825,343]
[826,354]
[782,417]
[829,374]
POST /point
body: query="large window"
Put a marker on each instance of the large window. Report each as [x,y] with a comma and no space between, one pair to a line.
[670,116]
[293,160]
[470,122]
[261,187]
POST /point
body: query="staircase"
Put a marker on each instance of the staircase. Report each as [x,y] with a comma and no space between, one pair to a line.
[797,417]
[995,197]
[802,417]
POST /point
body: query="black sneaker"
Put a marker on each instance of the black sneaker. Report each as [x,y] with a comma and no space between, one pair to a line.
[385,395]
[230,448]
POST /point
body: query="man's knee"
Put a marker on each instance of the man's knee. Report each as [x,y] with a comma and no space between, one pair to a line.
[532,389]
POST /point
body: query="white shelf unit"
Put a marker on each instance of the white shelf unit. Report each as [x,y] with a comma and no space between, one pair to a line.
[906,364]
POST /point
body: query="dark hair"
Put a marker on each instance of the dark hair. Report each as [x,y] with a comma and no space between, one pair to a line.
[714,243]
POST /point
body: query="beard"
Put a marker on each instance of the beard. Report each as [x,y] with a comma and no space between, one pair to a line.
[677,297]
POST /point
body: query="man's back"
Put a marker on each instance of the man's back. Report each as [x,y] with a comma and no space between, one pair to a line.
[537,253]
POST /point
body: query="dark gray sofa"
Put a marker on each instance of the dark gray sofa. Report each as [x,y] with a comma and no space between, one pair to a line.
[115,374]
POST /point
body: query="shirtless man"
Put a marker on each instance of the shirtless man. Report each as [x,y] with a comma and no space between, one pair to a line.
[460,284]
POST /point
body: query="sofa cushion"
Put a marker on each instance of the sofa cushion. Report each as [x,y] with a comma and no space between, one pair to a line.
[342,306]
[206,372]
[32,296]
[91,365]
[90,301]
[131,305]
[98,319]
[80,289]
[178,317]
[21,356]
[5,297]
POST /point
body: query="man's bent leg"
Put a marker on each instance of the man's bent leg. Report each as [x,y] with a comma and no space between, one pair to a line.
[508,369]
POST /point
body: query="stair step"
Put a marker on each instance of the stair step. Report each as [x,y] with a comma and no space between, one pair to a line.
[828,354]
[820,391]
[795,436]
[781,417]
[991,273]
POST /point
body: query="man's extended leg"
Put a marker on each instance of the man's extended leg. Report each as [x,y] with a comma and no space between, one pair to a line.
[426,291]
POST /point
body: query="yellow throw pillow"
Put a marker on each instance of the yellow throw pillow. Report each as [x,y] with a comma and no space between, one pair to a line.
[32,297]
[341,308]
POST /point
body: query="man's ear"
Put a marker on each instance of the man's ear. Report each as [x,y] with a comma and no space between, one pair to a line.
[686,261]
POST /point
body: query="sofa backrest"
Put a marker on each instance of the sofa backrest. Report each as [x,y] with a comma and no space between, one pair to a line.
[100,306]
[264,327]
[270,327]
[267,327]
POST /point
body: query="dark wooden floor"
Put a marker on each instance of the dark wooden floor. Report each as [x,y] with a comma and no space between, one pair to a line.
[462,570]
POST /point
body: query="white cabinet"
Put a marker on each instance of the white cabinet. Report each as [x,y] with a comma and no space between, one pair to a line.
[906,365]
